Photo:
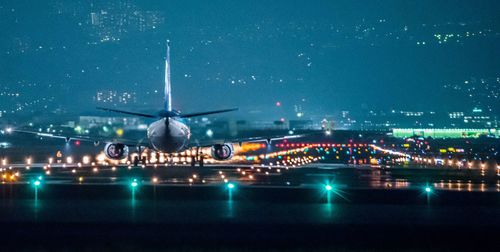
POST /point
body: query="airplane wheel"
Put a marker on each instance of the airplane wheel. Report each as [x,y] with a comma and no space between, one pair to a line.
[193,161]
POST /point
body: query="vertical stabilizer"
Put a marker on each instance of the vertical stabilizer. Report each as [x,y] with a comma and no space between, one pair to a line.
[168,89]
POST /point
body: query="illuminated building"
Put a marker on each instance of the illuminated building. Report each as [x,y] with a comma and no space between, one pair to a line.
[115,97]
[445,133]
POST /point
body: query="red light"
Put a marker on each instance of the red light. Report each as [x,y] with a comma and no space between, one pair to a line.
[77,142]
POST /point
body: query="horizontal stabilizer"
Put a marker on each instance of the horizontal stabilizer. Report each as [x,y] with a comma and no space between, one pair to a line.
[165,113]
[207,113]
[128,112]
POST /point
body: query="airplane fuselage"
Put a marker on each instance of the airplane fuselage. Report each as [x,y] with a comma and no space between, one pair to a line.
[169,136]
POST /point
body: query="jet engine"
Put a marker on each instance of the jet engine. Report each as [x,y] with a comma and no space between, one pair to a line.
[222,151]
[116,151]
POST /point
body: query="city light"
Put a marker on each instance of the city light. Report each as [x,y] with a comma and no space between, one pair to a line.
[209,133]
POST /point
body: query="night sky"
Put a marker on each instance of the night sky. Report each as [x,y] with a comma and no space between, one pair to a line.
[324,56]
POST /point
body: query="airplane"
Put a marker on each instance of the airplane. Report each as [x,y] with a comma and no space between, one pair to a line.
[168,134]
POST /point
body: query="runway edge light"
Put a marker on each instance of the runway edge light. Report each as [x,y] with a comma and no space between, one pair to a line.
[328,187]
[134,183]
[428,189]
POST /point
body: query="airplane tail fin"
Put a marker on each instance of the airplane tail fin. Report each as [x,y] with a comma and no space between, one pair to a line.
[168,89]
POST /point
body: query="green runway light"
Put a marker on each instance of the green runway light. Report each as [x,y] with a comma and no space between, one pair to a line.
[40,178]
[134,183]
[230,185]
[428,189]
[37,183]
[328,187]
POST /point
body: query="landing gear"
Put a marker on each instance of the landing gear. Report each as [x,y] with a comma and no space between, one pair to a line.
[193,160]
[200,161]
[197,157]
[138,158]
[170,160]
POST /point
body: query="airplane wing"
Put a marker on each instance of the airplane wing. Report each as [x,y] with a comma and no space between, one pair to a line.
[267,139]
[69,137]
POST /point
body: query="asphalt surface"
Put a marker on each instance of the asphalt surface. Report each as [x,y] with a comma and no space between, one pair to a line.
[367,208]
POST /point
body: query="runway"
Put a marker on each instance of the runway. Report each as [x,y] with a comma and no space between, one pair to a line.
[188,207]
[309,175]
